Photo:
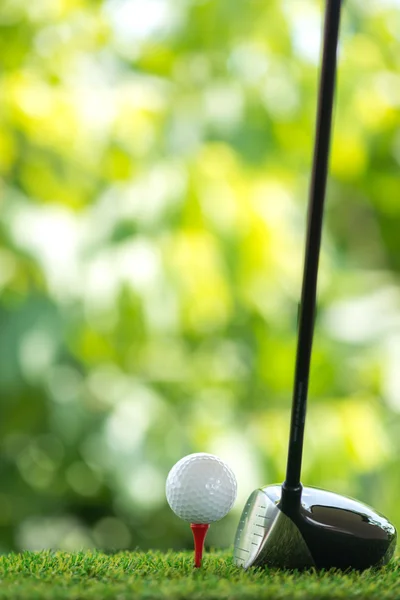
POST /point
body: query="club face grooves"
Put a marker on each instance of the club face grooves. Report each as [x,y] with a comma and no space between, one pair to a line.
[256,521]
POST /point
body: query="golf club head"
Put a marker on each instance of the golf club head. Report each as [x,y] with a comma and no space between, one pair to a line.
[327,531]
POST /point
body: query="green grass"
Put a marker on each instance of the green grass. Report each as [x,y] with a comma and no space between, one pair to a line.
[154,575]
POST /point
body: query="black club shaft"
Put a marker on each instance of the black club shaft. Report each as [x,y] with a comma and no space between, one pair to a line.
[291,489]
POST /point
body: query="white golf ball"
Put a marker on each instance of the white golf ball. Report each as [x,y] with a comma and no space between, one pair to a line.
[201,488]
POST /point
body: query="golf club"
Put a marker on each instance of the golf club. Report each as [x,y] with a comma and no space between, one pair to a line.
[288,525]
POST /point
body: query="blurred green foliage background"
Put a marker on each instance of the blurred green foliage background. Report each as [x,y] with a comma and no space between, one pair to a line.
[155,159]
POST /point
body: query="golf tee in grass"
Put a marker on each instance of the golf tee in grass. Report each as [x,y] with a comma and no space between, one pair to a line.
[171,576]
[199,535]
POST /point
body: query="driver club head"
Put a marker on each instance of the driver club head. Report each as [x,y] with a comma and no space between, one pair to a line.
[327,530]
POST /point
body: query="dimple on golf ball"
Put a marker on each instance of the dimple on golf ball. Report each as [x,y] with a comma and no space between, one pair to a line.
[201,488]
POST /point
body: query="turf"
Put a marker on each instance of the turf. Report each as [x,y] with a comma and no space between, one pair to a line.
[154,575]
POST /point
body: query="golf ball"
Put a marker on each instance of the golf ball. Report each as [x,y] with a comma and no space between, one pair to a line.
[201,488]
